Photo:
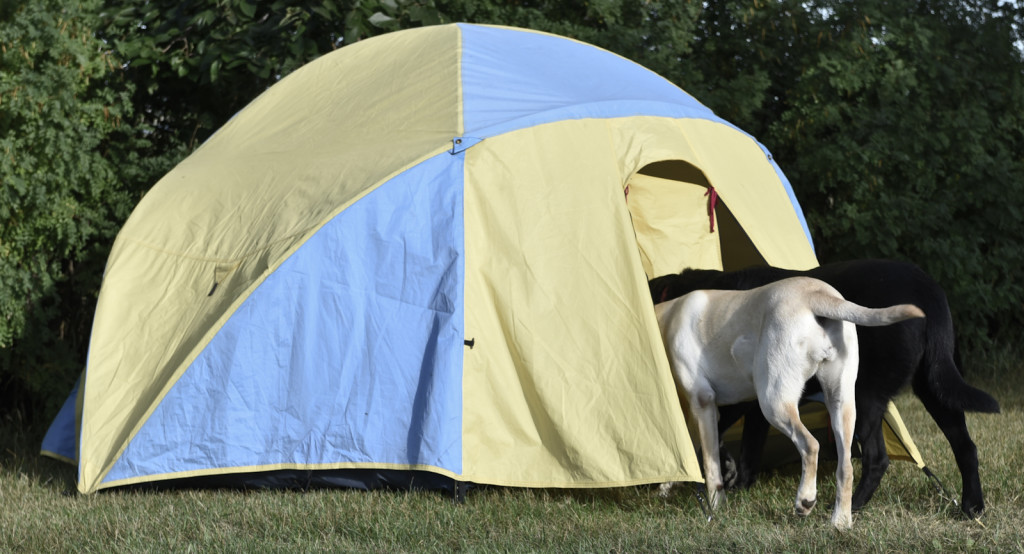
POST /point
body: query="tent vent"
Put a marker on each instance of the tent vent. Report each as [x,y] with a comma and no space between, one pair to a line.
[220,273]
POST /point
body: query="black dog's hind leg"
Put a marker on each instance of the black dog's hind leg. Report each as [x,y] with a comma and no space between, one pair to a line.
[954,425]
[732,474]
[755,434]
[874,458]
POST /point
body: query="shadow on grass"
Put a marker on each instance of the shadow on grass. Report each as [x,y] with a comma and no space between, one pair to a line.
[19,455]
[686,496]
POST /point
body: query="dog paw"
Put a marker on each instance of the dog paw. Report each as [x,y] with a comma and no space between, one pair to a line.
[804,506]
[842,521]
[972,508]
[664,489]
[716,498]
[730,471]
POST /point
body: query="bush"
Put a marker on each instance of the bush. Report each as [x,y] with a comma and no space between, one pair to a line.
[67,177]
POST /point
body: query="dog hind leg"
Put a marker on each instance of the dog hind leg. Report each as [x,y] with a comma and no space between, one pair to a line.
[740,472]
[755,434]
[702,404]
[785,417]
[954,426]
[874,457]
[843,413]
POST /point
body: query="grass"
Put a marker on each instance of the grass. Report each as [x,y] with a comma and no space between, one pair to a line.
[906,514]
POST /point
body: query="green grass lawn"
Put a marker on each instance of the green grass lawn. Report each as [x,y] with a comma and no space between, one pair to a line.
[906,514]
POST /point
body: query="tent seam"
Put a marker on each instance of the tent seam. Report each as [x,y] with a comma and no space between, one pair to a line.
[540,118]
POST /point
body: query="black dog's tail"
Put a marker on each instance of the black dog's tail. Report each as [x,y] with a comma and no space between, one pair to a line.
[939,376]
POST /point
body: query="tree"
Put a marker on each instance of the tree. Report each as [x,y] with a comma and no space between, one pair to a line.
[65,156]
[195,63]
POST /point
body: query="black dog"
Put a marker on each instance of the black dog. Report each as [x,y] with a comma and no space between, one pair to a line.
[916,352]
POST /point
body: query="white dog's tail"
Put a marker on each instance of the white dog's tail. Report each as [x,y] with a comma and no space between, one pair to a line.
[825,305]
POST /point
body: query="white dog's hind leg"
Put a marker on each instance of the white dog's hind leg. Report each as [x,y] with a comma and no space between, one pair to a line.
[838,382]
[843,417]
[786,418]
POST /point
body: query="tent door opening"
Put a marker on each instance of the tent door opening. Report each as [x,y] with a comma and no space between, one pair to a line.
[678,224]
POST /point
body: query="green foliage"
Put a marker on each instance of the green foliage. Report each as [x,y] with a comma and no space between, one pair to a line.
[64,155]
[919,153]
[195,63]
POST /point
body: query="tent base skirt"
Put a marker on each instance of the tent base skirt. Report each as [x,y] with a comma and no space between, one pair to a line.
[294,479]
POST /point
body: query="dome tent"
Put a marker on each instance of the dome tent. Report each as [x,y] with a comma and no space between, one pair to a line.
[424,252]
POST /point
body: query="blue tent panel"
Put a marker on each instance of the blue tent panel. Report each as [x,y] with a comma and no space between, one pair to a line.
[513,79]
[350,352]
[61,437]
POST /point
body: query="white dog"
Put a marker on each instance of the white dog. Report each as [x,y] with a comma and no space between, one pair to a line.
[727,347]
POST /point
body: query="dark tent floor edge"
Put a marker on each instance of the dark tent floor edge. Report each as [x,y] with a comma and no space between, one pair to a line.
[367,479]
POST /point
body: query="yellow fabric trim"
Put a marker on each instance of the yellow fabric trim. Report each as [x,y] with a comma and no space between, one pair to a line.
[57,457]
[460,119]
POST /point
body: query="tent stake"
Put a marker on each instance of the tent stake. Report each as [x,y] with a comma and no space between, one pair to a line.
[459,492]
[938,487]
[702,501]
